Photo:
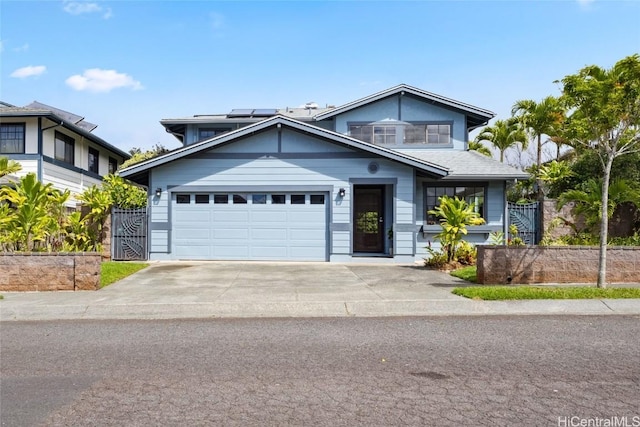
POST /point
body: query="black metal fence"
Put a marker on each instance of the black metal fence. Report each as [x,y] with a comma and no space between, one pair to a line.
[129,234]
[527,218]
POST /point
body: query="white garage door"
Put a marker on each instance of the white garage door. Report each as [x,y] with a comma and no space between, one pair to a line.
[250,226]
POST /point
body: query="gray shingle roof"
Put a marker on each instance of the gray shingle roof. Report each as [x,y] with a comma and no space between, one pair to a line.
[467,165]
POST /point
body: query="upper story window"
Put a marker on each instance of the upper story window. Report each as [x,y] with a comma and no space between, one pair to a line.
[211,132]
[64,148]
[473,194]
[94,158]
[383,134]
[410,133]
[12,138]
[113,165]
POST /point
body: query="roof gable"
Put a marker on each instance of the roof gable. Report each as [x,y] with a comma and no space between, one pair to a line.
[476,116]
[279,122]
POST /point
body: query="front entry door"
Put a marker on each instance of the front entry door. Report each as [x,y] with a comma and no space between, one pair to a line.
[368,221]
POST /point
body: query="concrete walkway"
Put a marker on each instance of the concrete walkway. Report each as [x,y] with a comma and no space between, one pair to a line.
[174,290]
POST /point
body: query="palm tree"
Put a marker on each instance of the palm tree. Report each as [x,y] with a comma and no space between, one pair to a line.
[539,118]
[503,134]
[8,167]
[479,147]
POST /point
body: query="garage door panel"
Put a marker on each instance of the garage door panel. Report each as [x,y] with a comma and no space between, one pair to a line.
[261,231]
[230,233]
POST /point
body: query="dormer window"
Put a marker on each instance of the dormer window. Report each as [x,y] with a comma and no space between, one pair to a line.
[401,133]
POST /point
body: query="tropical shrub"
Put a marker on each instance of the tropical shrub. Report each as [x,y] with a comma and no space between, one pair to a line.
[455,215]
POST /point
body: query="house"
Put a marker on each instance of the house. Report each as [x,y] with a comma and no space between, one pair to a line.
[347,183]
[58,146]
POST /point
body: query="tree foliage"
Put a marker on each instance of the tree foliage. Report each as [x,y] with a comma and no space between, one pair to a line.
[604,116]
[137,155]
[503,134]
[8,167]
[455,216]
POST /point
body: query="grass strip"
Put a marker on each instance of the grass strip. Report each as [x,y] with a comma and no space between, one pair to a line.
[499,293]
[112,271]
[466,273]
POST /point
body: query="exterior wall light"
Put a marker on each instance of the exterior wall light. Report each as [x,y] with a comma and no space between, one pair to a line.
[342,192]
[158,192]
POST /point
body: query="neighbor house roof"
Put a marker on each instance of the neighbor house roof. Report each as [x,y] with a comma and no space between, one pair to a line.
[68,120]
[468,165]
[476,116]
[420,164]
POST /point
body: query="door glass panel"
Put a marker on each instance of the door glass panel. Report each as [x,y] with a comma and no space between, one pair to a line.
[221,198]
[277,199]
[297,199]
[259,199]
[239,199]
[202,198]
[317,199]
[183,198]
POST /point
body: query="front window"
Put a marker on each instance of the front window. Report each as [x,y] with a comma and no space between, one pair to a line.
[473,194]
[12,138]
[64,149]
[93,160]
[113,165]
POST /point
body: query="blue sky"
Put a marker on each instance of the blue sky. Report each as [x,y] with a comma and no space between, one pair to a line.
[125,65]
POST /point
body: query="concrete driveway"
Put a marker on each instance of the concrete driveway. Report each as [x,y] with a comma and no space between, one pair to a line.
[179,290]
[246,289]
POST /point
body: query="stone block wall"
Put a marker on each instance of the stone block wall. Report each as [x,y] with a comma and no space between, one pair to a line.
[555,264]
[43,271]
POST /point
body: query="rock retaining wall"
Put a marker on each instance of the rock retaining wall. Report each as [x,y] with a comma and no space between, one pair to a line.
[42,271]
[555,264]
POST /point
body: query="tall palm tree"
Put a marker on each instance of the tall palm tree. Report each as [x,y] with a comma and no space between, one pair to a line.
[539,118]
[503,135]
[8,166]
[479,147]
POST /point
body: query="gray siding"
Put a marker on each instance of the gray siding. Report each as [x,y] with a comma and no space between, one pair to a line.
[265,161]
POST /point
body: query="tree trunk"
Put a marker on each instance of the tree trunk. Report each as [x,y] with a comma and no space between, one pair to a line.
[604,224]
[539,164]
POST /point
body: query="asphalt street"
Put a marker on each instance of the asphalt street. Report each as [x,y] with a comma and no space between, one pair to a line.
[443,371]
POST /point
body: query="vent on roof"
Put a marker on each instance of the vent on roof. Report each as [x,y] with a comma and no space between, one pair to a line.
[311,106]
[252,112]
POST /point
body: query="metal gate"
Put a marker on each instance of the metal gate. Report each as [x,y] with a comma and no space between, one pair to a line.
[128,234]
[527,218]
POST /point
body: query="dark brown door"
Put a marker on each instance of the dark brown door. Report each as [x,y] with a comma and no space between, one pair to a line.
[368,223]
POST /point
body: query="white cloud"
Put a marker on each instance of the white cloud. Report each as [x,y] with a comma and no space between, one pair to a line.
[585,4]
[97,80]
[23,48]
[83,7]
[29,71]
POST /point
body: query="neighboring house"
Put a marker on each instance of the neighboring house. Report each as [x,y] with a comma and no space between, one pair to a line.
[345,183]
[57,146]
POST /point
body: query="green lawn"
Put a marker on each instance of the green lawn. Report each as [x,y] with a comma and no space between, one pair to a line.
[466,273]
[113,271]
[495,293]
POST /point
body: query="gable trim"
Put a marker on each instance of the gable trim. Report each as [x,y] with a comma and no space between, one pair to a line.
[481,113]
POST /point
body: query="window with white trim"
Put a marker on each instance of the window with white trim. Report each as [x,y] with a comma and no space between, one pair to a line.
[64,148]
[12,138]
[473,194]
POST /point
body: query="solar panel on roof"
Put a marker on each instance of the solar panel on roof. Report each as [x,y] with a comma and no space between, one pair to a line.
[264,112]
[241,112]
